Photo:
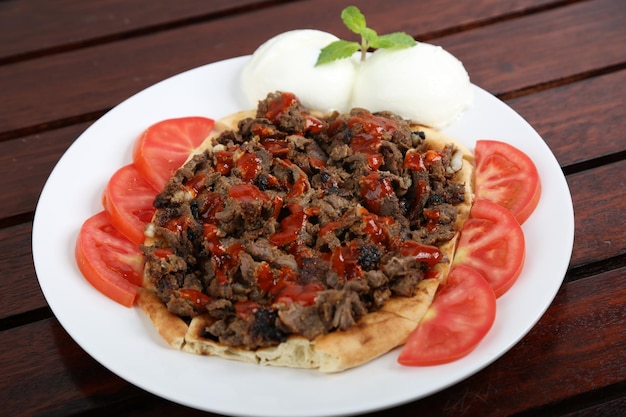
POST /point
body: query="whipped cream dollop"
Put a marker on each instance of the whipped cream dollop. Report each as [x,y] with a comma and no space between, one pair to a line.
[286,63]
[424,83]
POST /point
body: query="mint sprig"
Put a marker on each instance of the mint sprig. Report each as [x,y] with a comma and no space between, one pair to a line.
[355,21]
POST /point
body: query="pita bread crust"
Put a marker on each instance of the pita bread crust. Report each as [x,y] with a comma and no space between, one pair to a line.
[171,327]
[413,308]
[374,335]
[296,352]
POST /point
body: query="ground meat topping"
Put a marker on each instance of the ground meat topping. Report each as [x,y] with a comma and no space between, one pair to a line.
[296,224]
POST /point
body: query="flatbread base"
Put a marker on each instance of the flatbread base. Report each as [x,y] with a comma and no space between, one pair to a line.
[374,335]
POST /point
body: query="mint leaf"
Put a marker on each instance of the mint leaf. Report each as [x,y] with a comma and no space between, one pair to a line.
[353,19]
[337,50]
[393,40]
[369,35]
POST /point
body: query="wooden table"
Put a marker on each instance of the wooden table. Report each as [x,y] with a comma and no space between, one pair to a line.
[560,64]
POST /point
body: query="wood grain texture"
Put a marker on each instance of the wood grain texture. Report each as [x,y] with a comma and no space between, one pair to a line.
[26,163]
[44,372]
[31,26]
[19,289]
[598,196]
[579,121]
[534,50]
[612,407]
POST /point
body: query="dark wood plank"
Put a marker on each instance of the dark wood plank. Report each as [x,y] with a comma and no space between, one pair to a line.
[19,289]
[538,49]
[48,371]
[25,164]
[598,196]
[579,121]
[29,26]
[70,88]
[44,372]
[614,407]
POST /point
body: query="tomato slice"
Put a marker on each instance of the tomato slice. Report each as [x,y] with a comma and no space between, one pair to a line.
[492,242]
[507,176]
[165,146]
[461,314]
[128,199]
[108,260]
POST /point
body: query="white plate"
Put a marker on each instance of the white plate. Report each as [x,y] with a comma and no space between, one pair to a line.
[124,341]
